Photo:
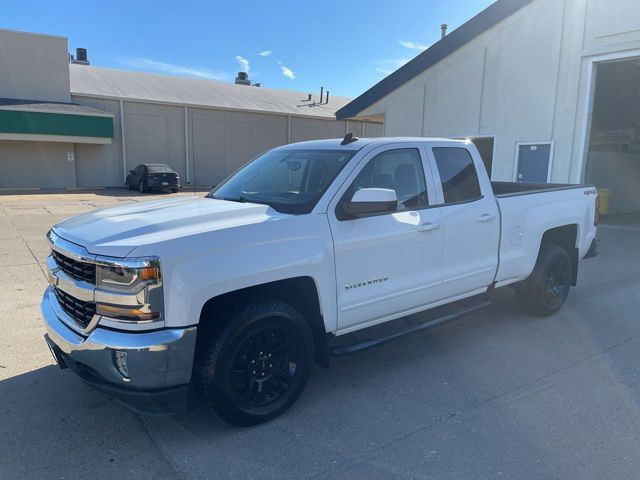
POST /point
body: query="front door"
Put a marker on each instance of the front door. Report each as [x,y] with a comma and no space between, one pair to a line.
[533,163]
[389,263]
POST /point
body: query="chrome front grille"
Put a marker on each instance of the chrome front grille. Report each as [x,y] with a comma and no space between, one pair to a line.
[74,268]
[81,312]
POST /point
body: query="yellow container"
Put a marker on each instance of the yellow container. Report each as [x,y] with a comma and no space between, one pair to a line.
[605,197]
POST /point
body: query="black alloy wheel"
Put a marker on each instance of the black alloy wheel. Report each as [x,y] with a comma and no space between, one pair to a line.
[253,365]
[264,367]
[557,282]
[547,288]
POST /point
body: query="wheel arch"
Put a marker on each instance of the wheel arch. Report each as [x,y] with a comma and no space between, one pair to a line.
[565,236]
[299,292]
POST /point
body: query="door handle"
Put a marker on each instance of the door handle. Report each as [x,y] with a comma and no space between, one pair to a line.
[428,227]
[486,217]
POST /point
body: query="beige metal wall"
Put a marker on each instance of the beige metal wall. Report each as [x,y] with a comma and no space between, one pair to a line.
[524,80]
[36,164]
[33,66]
[101,165]
[218,142]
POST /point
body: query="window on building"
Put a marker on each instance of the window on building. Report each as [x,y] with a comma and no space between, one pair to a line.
[457,174]
[399,170]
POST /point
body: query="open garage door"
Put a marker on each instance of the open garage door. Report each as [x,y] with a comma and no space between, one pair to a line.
[613,162]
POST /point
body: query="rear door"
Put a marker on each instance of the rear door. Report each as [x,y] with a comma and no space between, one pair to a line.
[470,221]
[390,263]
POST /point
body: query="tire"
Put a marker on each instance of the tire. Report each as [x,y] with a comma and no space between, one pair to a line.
[256,365]
[547,288]
[141,187]
[174,190]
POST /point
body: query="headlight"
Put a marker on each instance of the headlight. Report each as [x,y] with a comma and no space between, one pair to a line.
[128,276]
[129,292]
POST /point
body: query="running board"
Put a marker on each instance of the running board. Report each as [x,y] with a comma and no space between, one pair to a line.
[358,347]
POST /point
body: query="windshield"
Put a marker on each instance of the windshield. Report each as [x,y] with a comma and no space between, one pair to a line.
[290,181]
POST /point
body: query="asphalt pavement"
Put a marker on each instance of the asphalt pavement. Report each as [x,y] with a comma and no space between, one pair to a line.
[494,394]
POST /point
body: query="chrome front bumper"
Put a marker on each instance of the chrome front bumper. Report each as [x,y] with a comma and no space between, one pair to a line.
[155,361]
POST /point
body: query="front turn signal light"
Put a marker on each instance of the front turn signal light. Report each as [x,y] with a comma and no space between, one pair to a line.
[125,313]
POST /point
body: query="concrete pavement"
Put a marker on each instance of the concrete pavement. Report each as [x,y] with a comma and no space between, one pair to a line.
[496,394]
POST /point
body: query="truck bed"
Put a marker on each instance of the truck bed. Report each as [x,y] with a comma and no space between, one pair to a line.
[509,189]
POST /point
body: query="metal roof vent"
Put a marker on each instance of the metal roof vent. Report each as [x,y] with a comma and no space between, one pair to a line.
[243,79]
[80,58]
[443,28]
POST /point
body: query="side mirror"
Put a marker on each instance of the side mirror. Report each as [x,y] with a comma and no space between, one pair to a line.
[370,201]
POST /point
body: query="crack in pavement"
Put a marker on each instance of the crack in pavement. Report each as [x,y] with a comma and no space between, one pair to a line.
[26,244]
[162,452]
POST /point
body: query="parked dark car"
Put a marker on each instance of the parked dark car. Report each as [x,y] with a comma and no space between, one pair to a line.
[153,176]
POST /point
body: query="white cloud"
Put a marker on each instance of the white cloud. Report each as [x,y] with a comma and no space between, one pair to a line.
[173,69]
[412,45]
[265,53]
[386,66]
[287,72]
[243,62]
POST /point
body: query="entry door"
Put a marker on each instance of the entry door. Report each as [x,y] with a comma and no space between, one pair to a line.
[533,163]
[389,263]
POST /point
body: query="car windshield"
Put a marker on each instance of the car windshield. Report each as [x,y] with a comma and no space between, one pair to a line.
[290,181]
[159,168]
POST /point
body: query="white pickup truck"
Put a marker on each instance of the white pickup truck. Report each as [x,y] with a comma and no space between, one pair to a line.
[240,292]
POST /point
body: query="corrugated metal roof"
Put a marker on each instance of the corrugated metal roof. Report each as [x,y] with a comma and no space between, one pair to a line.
[127,85]
[20,105]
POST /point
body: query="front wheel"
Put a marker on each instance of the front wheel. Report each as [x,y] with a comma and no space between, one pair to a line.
[141,187]
[257,365]
[546,290]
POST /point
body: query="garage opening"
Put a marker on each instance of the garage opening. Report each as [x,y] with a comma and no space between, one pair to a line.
[485,148]
[613,162]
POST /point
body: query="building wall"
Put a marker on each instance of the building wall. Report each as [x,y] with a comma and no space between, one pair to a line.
[526,79]
[36,164]
[101,165]
[219,141]
[33,67]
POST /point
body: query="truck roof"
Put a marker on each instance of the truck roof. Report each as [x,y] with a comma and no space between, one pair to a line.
[336,143]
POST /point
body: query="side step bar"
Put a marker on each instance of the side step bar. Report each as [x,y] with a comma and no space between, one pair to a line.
[366,344]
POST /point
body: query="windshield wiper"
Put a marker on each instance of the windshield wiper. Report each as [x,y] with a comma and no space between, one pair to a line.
[238,200]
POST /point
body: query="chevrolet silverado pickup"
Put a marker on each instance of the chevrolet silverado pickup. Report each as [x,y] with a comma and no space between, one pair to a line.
[235,295]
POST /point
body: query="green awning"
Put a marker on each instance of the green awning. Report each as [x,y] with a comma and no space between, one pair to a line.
[45,119]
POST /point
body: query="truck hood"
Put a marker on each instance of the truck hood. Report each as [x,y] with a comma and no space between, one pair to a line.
[116,231]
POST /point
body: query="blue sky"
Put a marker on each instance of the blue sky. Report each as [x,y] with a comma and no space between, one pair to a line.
[345,46]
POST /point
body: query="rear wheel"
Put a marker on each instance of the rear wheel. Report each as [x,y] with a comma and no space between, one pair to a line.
[257,365]
[546,290]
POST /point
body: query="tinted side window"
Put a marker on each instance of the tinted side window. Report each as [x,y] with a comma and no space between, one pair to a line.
[457,174]
[399,170]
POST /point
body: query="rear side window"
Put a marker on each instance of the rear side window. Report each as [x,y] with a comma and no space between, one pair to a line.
[457,174]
